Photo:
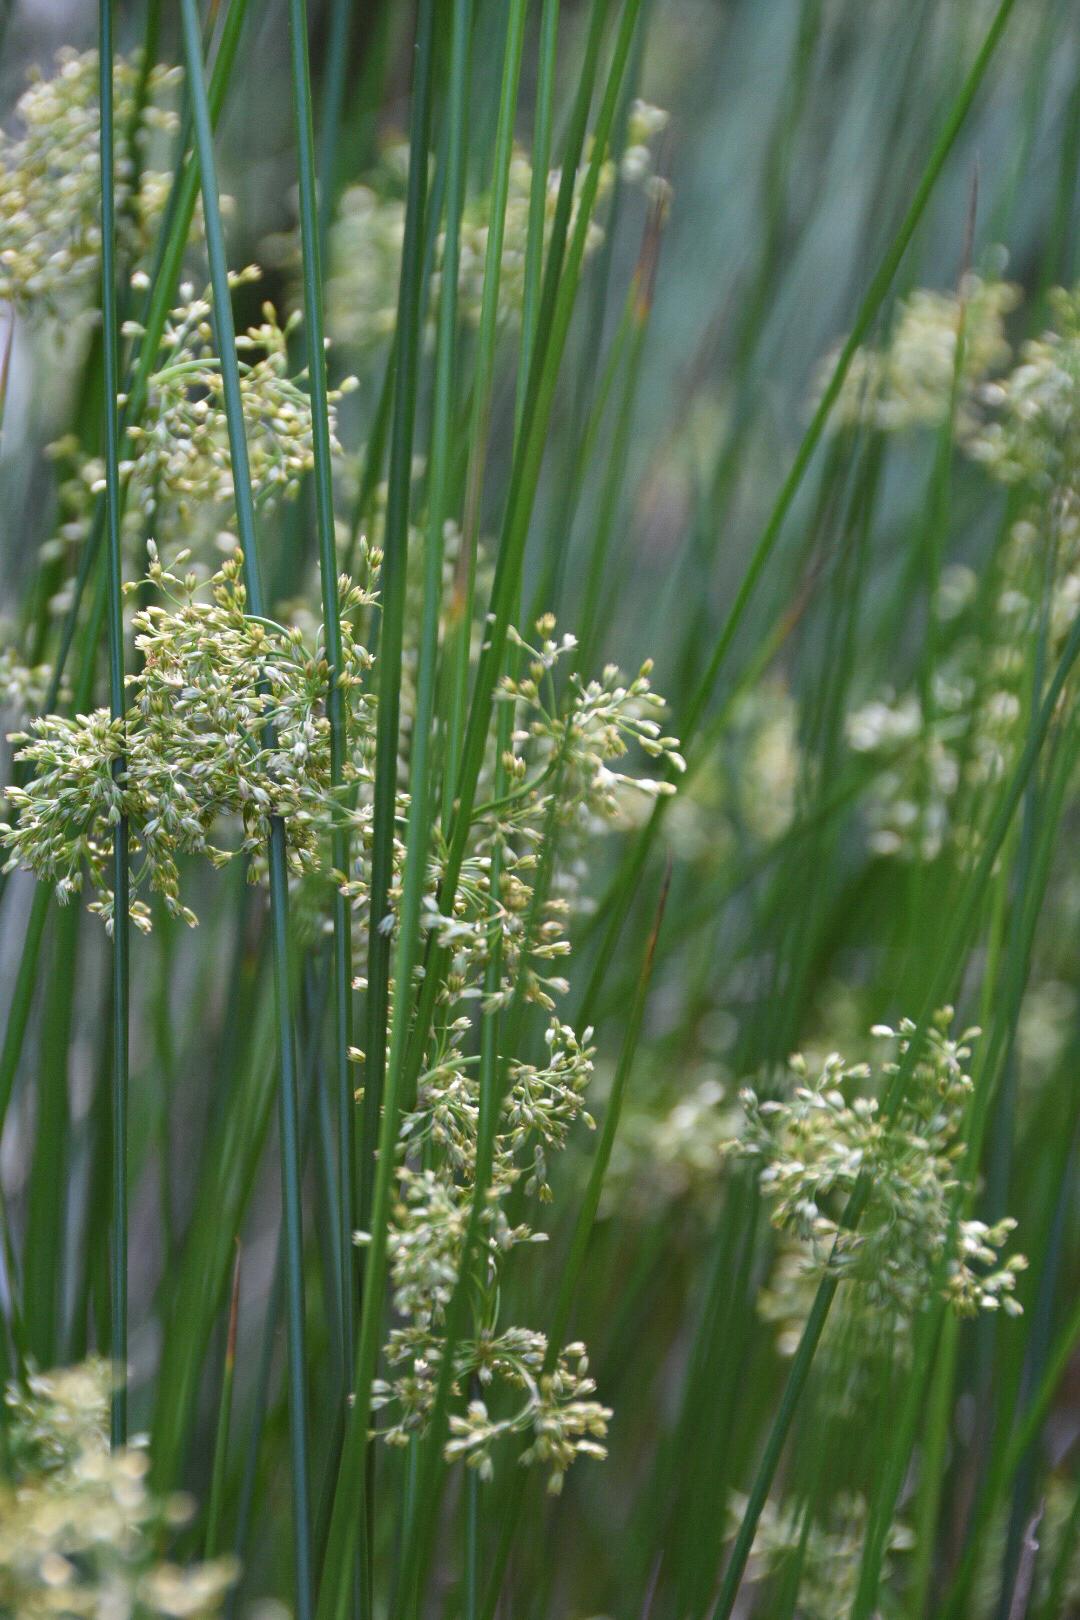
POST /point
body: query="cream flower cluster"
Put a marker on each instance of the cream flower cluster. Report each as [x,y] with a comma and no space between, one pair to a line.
[829,1134]
[366,238]
[81,1533]
[50,183]
[226,725]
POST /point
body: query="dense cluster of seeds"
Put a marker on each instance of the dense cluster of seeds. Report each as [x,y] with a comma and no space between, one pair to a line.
[227,719]
[826,1551]
[50,201]
[831,1135]
[561,767]
[81,1532]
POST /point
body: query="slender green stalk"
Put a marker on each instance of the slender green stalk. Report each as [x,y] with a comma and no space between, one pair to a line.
[381,1112]
[22,995]
[328,573]
[5,369]
[215,1506]
[532,286]
[395,560]
[1055,1598]
[774,1445]
[461,616]
[121,926]
[609,506]
[574,1264]
[546,591]
[333,101]
[932,1471]
[44,1267]
[471,1599]
[279,883]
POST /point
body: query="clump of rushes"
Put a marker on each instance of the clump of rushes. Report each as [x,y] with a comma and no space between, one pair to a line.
[50,198]
[81,1532]
[394,787]
[830,1135]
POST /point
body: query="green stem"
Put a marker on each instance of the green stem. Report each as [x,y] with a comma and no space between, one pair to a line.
[381,1113]
[459,630]
[120,920]
[279,883]
[221,1442]
[324,514]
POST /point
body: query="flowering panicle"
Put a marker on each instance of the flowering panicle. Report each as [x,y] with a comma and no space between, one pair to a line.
[180,452]
[1031,428]
[437,1145]
[226,720]
[603,718]
[673,1156]
[81,1533]
[559,769]
[908,382]
[828,1550]
[1023,427]
[830,1134]
[366,238]
[178,464]
[23,686]
[50,200]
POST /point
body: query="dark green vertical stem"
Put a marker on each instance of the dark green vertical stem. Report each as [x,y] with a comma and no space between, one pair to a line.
[333,100]
[395,559]
[46,1216]
[118,1347]
[461,612]
[324,516]
[221,1442]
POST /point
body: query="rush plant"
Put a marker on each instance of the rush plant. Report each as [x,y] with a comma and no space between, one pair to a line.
[410,1202]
